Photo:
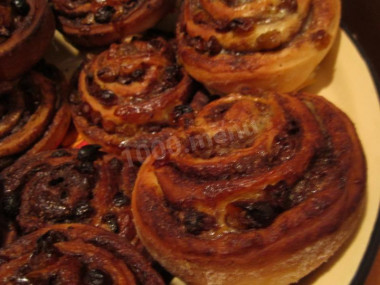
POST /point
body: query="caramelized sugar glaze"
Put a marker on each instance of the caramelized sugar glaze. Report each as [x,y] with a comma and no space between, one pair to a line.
[261,189]
[130,96]
[67,185]
[99,23]
[74,254]
[34,111]
[26,30]
[262,44]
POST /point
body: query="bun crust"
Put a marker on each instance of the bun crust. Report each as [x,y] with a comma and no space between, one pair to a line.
[270,208]
[127,96]
[231,48]
[102,23]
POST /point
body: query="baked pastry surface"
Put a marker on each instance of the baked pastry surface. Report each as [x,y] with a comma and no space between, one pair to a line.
[100,23]
[69,186]
[127,96]
[261,45]
[261,189]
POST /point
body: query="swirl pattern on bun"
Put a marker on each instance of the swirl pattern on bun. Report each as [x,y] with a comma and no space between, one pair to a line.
[263,45]
[262,189]
[69,186]
[127,96]
[35,114]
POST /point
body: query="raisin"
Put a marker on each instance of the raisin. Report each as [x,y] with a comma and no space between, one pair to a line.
[64,194]
[106,74]
[321,39]
[217,113]
[111,221]
[130,4]
[269,40]
[45,244]
[157,43]
[125,80]
[83,210]
[89,152]
[196,222]
[56,181]
[107,97]
[90,78]
[172,75]
[289,5]
[11,204]
[104,14]
[181,110]
[21,7]
[213,46]
[96,277]
[293,128]
[259,215]
[120,200]
[137,74]
[60,153]
[198,44]
[243,24]
[237,24]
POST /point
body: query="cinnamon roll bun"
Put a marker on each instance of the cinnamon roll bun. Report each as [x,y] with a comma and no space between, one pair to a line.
[261,190]
[26,30]
[99,23]
[70,186]
[263,45]
[74,254]
[35,114]
[129,96]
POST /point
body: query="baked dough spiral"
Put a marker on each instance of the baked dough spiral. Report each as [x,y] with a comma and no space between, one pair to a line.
[74,254]
[26,30]
[127,96]
[35,114]
[263,45]
[99,23]
[70,186]
[261,190]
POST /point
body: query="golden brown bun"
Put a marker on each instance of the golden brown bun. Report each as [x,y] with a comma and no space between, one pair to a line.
[261,190]
[128,95]
[24,37]
[229,46]
[100,23]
